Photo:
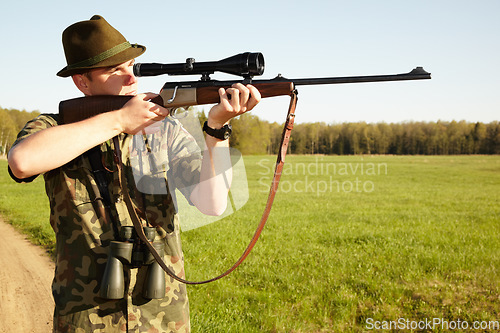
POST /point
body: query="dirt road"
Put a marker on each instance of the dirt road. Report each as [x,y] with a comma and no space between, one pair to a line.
[26,274]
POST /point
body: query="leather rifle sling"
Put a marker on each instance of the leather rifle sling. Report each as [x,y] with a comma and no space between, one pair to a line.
[272,192]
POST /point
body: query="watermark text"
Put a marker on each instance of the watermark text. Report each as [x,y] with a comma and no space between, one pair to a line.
[320,177]
[431,324]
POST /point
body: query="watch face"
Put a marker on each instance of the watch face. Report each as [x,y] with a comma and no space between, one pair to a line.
[227,132]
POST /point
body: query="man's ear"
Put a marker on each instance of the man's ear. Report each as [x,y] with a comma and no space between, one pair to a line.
[82,83]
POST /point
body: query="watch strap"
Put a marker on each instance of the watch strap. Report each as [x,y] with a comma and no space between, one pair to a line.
[222,133]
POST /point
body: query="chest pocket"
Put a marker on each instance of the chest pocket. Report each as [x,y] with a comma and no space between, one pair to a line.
[73,198]
[71,185]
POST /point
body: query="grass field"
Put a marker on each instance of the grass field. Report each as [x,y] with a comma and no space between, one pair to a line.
[352,243]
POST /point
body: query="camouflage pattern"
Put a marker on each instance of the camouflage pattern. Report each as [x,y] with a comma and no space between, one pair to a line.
[84,229]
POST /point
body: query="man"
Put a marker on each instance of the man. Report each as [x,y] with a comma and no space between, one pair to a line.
[100,62]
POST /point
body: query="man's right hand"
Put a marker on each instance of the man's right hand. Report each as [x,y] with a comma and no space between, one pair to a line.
[139,113]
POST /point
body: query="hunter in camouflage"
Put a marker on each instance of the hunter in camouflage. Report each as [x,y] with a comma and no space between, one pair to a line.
[88,212]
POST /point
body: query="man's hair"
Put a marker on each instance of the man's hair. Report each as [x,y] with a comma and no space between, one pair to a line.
[88,75]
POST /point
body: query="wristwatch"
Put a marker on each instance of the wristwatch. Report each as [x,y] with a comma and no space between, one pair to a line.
[222,133]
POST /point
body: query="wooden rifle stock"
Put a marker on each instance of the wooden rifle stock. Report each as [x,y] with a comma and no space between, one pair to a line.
[81,108]
[76,109]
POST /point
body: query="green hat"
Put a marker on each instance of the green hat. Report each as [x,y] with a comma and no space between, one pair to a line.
[93,44]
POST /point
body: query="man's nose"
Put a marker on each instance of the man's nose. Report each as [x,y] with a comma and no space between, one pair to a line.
[131,78]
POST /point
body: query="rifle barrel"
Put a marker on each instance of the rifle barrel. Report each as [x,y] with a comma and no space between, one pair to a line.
[416,74]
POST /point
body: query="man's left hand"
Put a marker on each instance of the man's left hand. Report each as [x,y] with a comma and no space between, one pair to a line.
[234,101]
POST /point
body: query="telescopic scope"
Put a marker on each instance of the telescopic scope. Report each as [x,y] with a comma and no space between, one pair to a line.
[246,64]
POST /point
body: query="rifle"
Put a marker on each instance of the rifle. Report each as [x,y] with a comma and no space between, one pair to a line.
[205,91]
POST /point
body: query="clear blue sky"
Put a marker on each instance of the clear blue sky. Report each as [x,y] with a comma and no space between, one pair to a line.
[457,41]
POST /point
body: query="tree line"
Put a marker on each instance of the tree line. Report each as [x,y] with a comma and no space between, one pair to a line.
[255,136]
[252,135]
[11,122]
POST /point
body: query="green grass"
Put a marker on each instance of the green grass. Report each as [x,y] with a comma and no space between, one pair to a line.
[26,207]
[349,238]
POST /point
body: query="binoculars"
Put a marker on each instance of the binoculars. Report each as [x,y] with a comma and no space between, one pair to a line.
[132,252]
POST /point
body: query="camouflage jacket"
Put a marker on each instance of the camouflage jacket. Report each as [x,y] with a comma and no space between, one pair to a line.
[84,230]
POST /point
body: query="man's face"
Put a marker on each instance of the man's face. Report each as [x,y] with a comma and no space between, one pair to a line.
[115,80]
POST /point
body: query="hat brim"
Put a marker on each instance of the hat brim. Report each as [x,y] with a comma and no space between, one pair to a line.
[132,52]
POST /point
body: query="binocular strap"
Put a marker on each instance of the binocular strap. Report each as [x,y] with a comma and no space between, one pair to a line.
[272,192]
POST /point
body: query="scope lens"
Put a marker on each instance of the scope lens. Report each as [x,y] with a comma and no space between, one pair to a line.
[256,63]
